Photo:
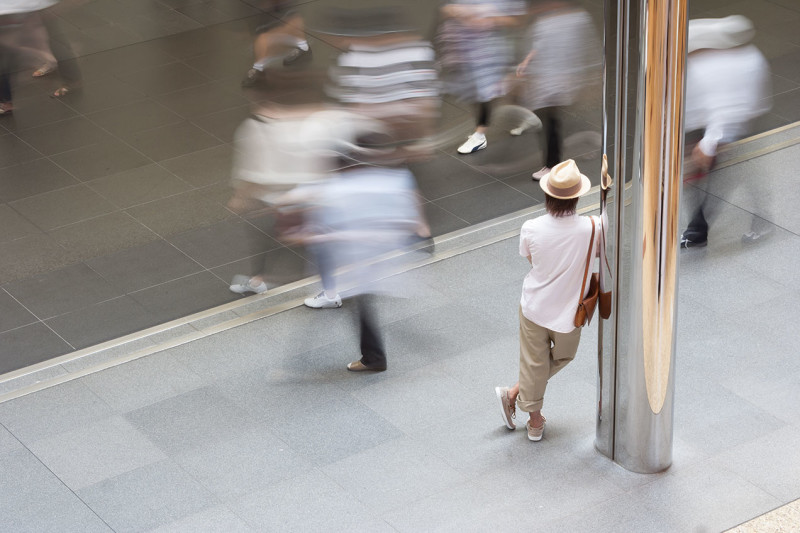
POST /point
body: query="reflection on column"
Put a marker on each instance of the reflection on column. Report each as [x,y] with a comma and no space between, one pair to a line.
[637,365]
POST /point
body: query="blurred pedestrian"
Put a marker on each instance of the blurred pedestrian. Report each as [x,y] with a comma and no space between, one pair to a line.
[563,61]
[366,211]
[475,54]
[15,17]
[281,154]
[280,39]
[386,73]
[727,87]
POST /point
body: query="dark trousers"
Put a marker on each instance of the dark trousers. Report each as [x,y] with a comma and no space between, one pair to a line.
[5,87]
[699,194]
[373,353]
[484,113]
[6,66]
[551,128]
[67,65]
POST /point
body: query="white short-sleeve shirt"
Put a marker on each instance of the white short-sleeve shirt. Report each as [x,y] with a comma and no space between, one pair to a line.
[557,247]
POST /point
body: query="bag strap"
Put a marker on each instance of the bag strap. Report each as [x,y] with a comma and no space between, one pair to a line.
[588,261]
[603,247]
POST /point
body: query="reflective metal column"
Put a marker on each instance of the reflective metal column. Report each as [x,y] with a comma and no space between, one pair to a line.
[645,45]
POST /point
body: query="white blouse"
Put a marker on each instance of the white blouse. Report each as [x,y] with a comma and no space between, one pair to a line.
[557,247]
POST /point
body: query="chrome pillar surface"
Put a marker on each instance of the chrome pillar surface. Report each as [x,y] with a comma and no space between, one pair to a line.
[643,135]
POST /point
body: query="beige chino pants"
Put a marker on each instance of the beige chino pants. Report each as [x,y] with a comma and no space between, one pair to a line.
[542,353]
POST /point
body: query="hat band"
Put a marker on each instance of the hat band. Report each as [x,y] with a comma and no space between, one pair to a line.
[565,191]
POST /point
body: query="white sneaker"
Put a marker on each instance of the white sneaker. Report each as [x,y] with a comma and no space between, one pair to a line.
[527,123]
[475,142]
[539,174]
[320,301]
[242,284]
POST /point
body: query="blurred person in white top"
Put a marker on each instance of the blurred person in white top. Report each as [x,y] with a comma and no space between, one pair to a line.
[727,87]
[562,63]
[475,54]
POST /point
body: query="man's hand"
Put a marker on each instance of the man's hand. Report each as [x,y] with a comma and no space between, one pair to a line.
[522,67]
[702,160]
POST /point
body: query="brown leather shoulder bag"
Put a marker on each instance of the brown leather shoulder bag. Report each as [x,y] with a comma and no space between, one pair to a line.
[586,305]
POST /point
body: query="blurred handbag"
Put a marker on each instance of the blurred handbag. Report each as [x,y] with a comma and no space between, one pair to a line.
[604,298]
[604,306]
[588,303]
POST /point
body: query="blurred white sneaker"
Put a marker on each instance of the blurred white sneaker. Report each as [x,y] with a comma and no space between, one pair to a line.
[475,142]
[242,284]
[539,174]
[527,124]
[320,301]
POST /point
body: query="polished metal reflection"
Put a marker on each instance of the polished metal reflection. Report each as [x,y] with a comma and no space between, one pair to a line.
[634,425]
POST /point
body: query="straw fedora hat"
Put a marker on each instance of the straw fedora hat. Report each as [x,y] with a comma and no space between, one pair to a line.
[565,181]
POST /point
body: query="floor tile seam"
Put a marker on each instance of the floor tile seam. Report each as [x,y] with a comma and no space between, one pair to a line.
[494,181]
[758,521]
[782,423]
[55,476]
[217,499]
[230,214]
[134,206]
[211,81]
[122,211]
[464,159]
[44,323]
[153,95]
[60,189]
[98,303]
[248,220]
[78,117]
[27,144]
[720,463]
[180,278]
[57,334]
[216,136]
[19,106]
[433,202]
[540,202]
[82,112]
[202,267]
[767,490]
[780,93]
[242,219]
[130,146]
[783,115]
[3,288]
[110,282]
[786,283]
[135,131]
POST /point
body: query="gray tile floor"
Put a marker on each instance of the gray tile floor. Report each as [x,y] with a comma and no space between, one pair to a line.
[261,428]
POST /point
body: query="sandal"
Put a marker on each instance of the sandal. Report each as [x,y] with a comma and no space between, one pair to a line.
[44,71]
[6,108]
[61,92]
